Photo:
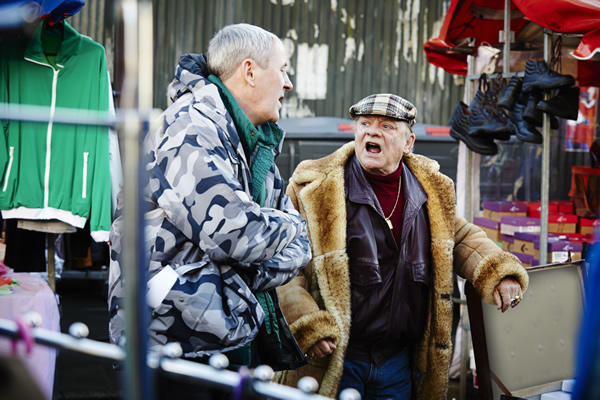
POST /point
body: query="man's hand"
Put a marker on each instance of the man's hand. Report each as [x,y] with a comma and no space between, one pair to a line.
[508,293]
[322,348]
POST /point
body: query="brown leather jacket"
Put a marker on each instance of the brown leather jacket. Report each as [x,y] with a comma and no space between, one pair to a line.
[390,282]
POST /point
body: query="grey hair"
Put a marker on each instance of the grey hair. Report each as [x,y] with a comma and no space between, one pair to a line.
[234,43]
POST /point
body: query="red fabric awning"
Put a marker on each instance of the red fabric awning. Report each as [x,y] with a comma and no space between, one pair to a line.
[482,20]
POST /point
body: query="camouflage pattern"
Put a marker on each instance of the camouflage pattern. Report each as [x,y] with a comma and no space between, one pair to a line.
[204,224]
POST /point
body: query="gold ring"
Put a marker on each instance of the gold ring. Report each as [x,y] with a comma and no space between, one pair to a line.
[518,298]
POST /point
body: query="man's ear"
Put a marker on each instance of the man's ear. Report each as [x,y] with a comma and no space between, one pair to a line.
[248,68]
[410,143]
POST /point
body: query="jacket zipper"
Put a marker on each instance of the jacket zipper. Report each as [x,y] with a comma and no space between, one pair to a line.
[85,168]
[10,161]
[49,131]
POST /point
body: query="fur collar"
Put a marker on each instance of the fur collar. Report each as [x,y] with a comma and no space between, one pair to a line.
[323,196]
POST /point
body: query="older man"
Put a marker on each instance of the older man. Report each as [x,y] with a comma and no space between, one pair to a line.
[221,235]
[373,309]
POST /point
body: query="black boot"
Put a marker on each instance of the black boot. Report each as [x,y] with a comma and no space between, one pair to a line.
[525,131]
[510,94]
[539,77]
[459,127]
[486,119]
[534,115]
[530,113]
[565,104]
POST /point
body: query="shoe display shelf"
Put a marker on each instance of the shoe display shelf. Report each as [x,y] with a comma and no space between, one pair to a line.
[523,128]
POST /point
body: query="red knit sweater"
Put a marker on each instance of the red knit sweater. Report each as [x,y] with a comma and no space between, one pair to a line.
[386,189]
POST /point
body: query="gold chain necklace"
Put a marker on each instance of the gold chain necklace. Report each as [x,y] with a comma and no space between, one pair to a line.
[387,219]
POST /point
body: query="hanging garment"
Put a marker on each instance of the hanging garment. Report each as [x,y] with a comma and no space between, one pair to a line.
[51,170]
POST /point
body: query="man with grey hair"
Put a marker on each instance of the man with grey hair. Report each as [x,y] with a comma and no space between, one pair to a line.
[373,308]
[221,234]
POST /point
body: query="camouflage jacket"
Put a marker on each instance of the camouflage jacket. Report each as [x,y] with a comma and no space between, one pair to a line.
[203,225]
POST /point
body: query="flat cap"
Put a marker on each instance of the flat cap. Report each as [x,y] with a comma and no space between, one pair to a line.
[387,105]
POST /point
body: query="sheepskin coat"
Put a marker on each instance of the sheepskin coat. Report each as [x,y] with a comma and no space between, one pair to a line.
[317,302]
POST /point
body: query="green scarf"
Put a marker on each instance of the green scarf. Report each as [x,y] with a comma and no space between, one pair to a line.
[258,143]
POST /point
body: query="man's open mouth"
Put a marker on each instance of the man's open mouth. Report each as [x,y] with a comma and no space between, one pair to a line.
[373,148]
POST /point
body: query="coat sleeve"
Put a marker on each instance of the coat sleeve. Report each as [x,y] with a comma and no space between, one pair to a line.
[283,266]
[479,260]
[308,322]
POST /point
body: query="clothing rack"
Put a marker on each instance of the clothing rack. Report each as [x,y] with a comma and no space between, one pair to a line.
[215,375]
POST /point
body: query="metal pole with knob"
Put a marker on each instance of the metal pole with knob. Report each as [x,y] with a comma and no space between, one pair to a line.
[215,374]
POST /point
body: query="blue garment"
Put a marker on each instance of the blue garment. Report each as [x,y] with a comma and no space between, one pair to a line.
[587,384]
[390,381]
[54,11]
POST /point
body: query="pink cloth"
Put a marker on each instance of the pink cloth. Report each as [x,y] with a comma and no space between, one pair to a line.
[33,294]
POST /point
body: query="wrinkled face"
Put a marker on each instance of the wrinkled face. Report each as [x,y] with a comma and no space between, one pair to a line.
[271,83]
[380,143]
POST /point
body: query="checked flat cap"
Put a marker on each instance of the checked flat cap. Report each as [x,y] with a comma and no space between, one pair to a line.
[387,105]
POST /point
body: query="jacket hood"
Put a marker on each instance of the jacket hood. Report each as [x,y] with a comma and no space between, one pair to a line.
[190,74]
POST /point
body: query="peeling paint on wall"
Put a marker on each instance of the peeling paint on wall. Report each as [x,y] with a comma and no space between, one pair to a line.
[285,2]
[316,28]
[406,31]
[361,50]
[414,22]
[398,39]
[295,108]
[311,71]
[350,51]
[291,33]
[424,30]
[343,15]
[290,46]
[433,70]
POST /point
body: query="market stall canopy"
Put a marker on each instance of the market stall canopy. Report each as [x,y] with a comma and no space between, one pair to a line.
[479,22]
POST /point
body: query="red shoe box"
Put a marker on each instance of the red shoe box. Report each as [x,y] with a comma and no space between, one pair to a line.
[562,223]
[534,208]
[589,226]
[564,206]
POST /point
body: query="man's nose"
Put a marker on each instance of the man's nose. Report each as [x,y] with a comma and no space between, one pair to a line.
[287,84]
[373,131]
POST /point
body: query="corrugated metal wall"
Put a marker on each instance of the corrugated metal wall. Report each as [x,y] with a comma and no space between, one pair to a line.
[340,50]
